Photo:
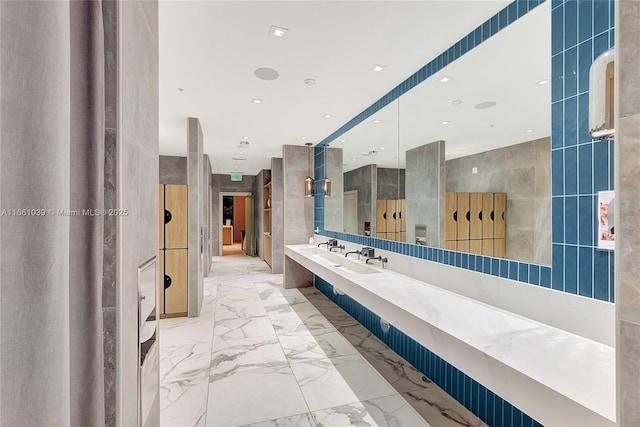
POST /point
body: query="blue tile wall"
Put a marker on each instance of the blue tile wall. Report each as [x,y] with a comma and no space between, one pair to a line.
[580,167]
[485,404]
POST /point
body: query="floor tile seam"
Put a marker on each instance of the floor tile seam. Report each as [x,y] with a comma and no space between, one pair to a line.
[412,408]
[358,401]
[271,419]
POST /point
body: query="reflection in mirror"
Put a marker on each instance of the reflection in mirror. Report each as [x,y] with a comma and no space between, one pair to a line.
[472,164]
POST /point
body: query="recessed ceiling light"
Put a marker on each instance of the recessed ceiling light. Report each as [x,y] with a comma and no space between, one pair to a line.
[245,137]
[353,160]
[241,152]
[445,79]
[276,31]
[377,121]
[485,105]
[456,102]
[303,138]
[543,82]
[343,140]
[327,116]
[235,167]
[256,100]
[529,130]
[445,122]
[382,148]
[309,82]
[377,68]
[265,73]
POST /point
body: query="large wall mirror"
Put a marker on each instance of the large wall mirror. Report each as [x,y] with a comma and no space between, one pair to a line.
[462,161]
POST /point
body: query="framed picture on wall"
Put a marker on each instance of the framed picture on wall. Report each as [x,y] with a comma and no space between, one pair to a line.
[606,220]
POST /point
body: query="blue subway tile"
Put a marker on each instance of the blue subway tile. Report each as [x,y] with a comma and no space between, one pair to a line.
[471,263]
[468,391]
[585,20]
[497,412]
[527,421]
[557,77]
[557,266]
[475,398]
[494,24]
[571,220]
[504,268]
[503,18]
[545,277]
[523,7]
[612,146]
[584,137]
[612,38]
[513,270]
[600,16]
[570,123]
[585,220]
[523,272]
[571,170]
[611,277]
[600,166]
[512,11]
[496,268]
[612,14]
[584,64]
[507,410]
[486,265]
[557,219]
[585,278]
[482,402]
[534,274]
[557,24]
[516,417]
[465,261]
[557,122]
[570,24]
[571,269]
[486,30]
[491,398]
[585,168]
[458,259]
[600,44]
[601,274]
[557,172]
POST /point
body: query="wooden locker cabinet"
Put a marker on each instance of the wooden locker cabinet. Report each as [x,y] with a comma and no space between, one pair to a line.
[475,223]
[175,276]
[161,282]
[450,216]
[487,222]
[175,206]
[499,215]
[402,221]
[381,219]
[464,216]
[161,216]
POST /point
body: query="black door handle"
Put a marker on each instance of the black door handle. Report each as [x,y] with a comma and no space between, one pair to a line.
[167,281]
[491,215]
[480,215]
[468,215]
[394,215]
[384,215]
[167,216]
[455,216]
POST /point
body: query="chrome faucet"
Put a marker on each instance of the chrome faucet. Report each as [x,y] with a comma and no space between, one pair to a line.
[383,260]
[353,252]
[341,247]
[331,243]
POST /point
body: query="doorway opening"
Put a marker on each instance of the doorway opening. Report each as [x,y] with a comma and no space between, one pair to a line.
[236,224]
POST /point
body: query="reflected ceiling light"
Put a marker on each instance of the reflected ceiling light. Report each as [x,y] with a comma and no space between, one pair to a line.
[309,185]
[265,73]
[529,130]
[485,105]
[256,100]
[445,122]
[343,140]
[353,160]
[382,148]
[456,102]
[377,68]
[543,82]
[445,79]
[327,116]
[245,137]
[303,138]
[276,31]
[377,121]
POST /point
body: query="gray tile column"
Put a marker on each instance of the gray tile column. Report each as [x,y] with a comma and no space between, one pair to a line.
[627,187]
[195,166]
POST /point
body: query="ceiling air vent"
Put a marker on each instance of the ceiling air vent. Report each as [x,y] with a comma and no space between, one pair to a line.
[238,158]
[370,153]
[243,144]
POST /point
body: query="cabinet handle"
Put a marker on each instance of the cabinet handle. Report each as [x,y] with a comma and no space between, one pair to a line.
[455,216]
[400,214]
[492,216]
[502,216]
[394,215]
[167,281]
[384,215]
[480,215]
[167,216]
[468,215]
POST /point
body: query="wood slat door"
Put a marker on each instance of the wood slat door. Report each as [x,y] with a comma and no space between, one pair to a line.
[500,215]
[450,224]
[381,217]
[161,216]
[475,223]
[499,248]
[463,245]
[463,213]
[392,217]
[161,282]
[175,296]
[451,245]
[487,223]
[401,205]
[487,247]
[176,204]
[475,246]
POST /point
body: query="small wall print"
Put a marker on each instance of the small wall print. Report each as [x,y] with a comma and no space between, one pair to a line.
[606,220]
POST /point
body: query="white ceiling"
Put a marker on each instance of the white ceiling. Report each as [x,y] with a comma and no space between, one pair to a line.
[505,69]
[211,48]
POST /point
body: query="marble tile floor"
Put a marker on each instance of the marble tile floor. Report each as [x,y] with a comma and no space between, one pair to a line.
[260,355]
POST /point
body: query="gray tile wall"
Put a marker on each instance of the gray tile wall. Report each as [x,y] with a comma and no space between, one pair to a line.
[391,183]
[361,180]
[206,218]
[138,166]
[277,216]
[333,205]
[425,191]
[628,230]
[523,172]
[195,175]
[173,170]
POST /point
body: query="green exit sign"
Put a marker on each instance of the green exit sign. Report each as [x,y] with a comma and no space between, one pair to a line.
[236,177]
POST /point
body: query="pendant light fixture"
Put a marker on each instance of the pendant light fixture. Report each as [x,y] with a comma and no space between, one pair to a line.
[309,185]
[326,183]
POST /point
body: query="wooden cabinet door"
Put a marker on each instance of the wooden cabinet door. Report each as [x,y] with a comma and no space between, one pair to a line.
[499,248]
[487,247]
[175,230]
[475,246]
[451,245]
[464,215]
[475,223]
[161,282]
[381,235]
[392,217]
[175,296]
[463,245]
[161,216]
[500,215]
[450,216]
[381,217]
[402,236]
[401,205]
[487,223]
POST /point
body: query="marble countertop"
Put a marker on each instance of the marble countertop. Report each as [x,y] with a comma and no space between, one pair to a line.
[529,363]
